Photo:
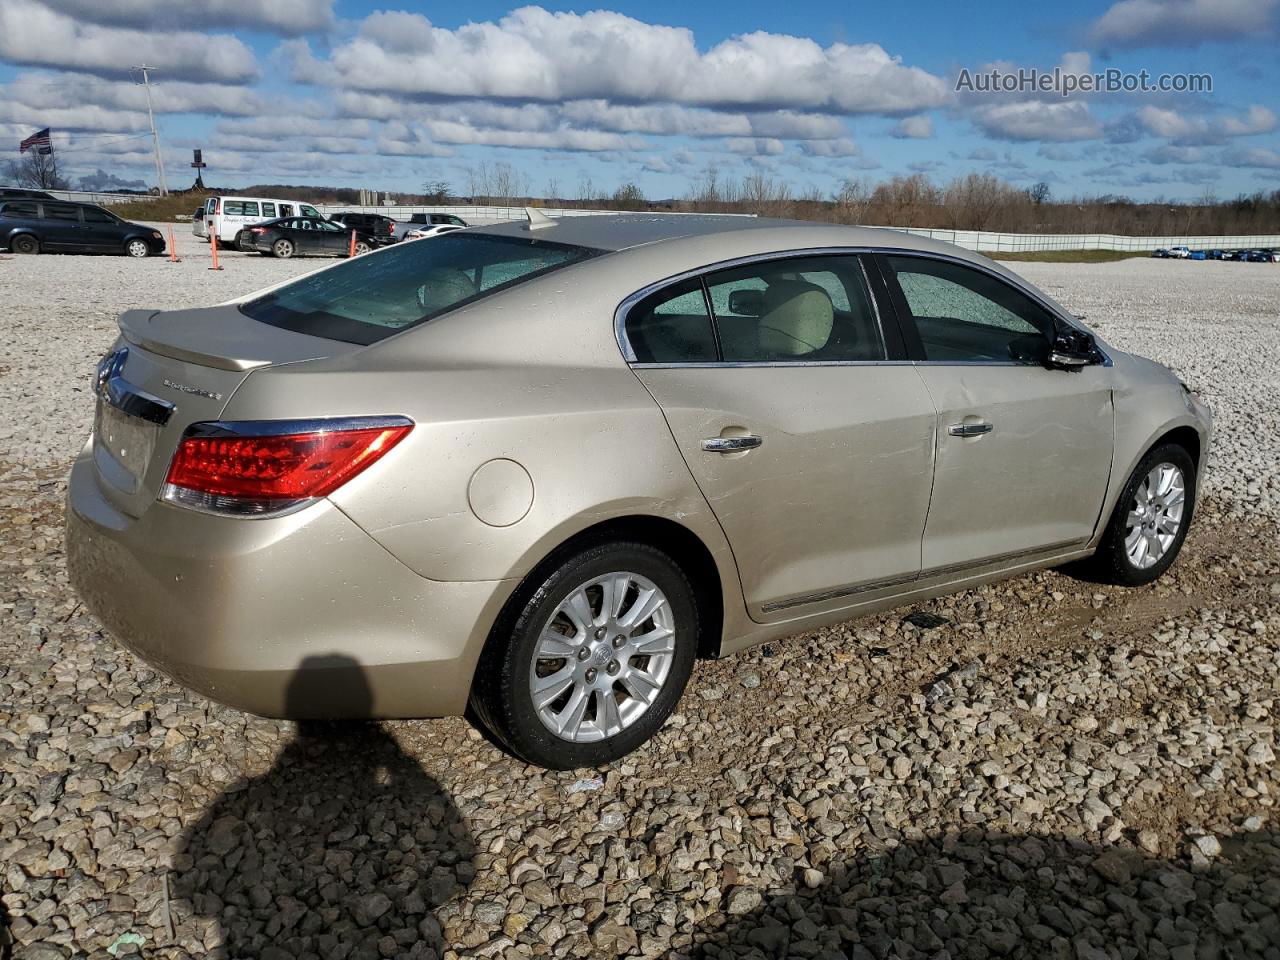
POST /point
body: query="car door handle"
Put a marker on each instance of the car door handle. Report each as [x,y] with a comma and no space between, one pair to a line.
[730,444]
[969,429]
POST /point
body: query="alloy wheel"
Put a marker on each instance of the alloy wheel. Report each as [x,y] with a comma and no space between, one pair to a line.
[602,657]
[1155,515]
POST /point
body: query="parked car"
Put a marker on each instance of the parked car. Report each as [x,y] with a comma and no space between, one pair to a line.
[1160,252]
[39,226]
[19,193]
[418,221]
[1260,256]
[227,217]
[380,229]
[303,237]
[420,233]
[1216,254]
[1199,255]
[1180,253]
[540,469]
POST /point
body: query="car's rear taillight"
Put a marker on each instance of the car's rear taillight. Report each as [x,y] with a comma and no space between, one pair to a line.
[257,229]
[270,467]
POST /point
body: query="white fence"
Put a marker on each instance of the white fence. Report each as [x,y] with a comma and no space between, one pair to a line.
[1040,242]
[970,239]
[481,214]
[102,199]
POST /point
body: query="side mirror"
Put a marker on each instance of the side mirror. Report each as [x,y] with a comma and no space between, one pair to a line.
[1073,349]
[746,303]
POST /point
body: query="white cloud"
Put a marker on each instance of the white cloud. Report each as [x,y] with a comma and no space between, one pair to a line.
[919,127]
[535,55]
[1254,157]
[33,35]
[840,147]
[1190,129]
[52,90]
[1033,120]
[755,146]
[1181,23]
[289,17]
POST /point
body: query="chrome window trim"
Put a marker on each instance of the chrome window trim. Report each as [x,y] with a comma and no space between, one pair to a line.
[623,308]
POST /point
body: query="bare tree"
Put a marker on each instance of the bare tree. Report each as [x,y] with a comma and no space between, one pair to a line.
[628,197]
[35,171]
[436,191]
[852,199]
[552,189]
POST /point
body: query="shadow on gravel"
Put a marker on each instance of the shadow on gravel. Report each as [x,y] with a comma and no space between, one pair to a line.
[344,849]
[978,894]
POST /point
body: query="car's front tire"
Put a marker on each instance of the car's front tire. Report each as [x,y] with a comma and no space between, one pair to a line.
[590,658]
[1150,520]
[25,244]
[137,248]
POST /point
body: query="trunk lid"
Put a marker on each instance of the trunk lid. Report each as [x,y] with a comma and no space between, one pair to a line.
[173,369]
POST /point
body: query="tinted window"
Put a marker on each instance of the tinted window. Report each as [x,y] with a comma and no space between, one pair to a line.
[18,208]
[268,209]
[806,309]
[233,208]
[61,211]
[967,315]
[94,215]
[370,298]
[671,326]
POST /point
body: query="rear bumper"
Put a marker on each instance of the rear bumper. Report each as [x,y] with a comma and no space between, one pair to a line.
[303,616]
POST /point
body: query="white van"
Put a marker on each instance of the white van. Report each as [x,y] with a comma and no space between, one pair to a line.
[227,216]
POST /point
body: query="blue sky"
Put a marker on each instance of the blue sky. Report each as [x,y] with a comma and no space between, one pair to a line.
[361,94]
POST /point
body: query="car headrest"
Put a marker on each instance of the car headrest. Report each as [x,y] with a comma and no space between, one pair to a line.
[443,287]
[798,318]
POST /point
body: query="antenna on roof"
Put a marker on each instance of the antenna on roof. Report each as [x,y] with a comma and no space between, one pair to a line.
[537,219]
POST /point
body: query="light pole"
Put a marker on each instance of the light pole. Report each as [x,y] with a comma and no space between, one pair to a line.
[155,137]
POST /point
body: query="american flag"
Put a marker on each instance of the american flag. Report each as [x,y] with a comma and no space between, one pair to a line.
[41,141]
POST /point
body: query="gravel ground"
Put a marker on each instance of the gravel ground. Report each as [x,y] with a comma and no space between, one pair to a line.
[1057,769]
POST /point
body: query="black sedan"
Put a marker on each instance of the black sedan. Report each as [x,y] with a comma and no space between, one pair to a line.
[303,237]
[35,226]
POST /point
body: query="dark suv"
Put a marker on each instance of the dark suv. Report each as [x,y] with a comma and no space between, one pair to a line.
[374,225]
[32,226]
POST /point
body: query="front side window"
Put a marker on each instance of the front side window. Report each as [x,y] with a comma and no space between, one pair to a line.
[672,326]
[94,215]
[370,298]
[804,309]
[965,315]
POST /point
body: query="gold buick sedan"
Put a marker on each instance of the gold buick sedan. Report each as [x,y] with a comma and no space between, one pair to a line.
[541,468]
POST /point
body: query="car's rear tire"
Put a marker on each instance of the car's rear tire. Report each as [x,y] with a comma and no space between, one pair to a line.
[283,249]
[137,248]
[590,657]
[239,241]
[1150,520]
[24,243]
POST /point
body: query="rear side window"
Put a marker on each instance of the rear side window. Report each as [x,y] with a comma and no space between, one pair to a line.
[370,298]
[61,211]
[20,208]
[268,209]
[672,326]
[805,309]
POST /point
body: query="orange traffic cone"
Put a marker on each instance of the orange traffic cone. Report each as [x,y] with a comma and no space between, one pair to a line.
[213,245]
[173,247]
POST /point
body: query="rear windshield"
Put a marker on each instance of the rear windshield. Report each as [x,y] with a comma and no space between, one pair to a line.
[370,298]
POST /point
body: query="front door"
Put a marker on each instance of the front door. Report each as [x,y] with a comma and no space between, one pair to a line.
[812,446]
[1024,451]
[101,230]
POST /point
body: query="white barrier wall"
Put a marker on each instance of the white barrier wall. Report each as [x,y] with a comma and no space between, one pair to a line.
[970,239]
[1037,242]
[102,199]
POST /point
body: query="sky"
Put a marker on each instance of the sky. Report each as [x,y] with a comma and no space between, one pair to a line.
[580,99]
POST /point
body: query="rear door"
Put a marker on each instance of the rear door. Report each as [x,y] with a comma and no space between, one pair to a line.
[60,228]
[806,429]
[1024,451]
